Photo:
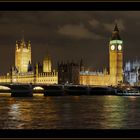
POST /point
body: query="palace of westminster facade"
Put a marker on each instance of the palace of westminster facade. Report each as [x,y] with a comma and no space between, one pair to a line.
[70,72]
[24,72]
[115,74]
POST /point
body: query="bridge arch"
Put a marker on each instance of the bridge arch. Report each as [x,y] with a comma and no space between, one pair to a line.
[5,88]
[38,88]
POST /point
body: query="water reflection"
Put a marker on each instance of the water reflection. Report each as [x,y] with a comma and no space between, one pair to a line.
[132,98]
[19,113]
[14,111]
[70,112]
[113,112]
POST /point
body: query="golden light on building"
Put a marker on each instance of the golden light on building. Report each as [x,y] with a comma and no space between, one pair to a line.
[116,56]
[45,75]
[115,74]
[23,72]
[47,65]
[22,55]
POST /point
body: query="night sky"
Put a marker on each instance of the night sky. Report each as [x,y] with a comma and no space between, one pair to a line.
[68,35]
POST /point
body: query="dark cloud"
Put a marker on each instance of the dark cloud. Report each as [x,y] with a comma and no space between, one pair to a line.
[94,23]
[68,35]
[109,26]
[78,31]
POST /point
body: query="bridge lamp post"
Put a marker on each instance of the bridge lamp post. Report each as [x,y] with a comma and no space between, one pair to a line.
[14,80]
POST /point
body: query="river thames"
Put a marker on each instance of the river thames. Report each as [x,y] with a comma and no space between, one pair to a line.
[69,112]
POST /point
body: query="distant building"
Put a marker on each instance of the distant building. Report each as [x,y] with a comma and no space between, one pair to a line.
[69,72]
[47,76]
[132,72]
[115,74]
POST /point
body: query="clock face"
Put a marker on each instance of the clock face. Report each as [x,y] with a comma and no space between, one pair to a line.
[119,47]
[112,47]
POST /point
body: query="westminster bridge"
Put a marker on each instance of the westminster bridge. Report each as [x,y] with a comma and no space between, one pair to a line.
[27,90]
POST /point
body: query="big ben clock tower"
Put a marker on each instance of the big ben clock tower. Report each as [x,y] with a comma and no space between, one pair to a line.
[116,57]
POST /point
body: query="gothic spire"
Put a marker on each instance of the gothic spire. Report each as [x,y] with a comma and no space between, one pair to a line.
[47,56]
[116,28]
[23,36]
[115,33]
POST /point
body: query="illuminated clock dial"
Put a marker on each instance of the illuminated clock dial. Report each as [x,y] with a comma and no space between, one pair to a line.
[119,47]
[112,47]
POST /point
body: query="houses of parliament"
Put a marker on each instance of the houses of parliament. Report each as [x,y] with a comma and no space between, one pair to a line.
[24,72]
[70,72]
[115,74]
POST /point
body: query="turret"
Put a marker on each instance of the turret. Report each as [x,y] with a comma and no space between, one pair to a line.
[47,65]
[81,65]
[36,68]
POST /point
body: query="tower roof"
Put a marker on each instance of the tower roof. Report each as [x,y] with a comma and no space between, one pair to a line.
[115,33]
[47,56]
[22,43]
[116,28]
[22,40]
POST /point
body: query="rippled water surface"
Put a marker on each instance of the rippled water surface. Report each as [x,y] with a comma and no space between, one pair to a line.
[69,112]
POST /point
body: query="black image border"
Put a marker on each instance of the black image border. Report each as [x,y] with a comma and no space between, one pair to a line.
[70,6]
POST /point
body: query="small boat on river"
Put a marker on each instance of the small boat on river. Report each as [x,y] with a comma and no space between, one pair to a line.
[128,92]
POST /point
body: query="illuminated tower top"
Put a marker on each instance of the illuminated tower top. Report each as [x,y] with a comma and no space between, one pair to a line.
[23,45]
[115,38]
[115,34]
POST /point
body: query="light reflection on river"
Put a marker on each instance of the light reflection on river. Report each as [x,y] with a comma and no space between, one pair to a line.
[70,112]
